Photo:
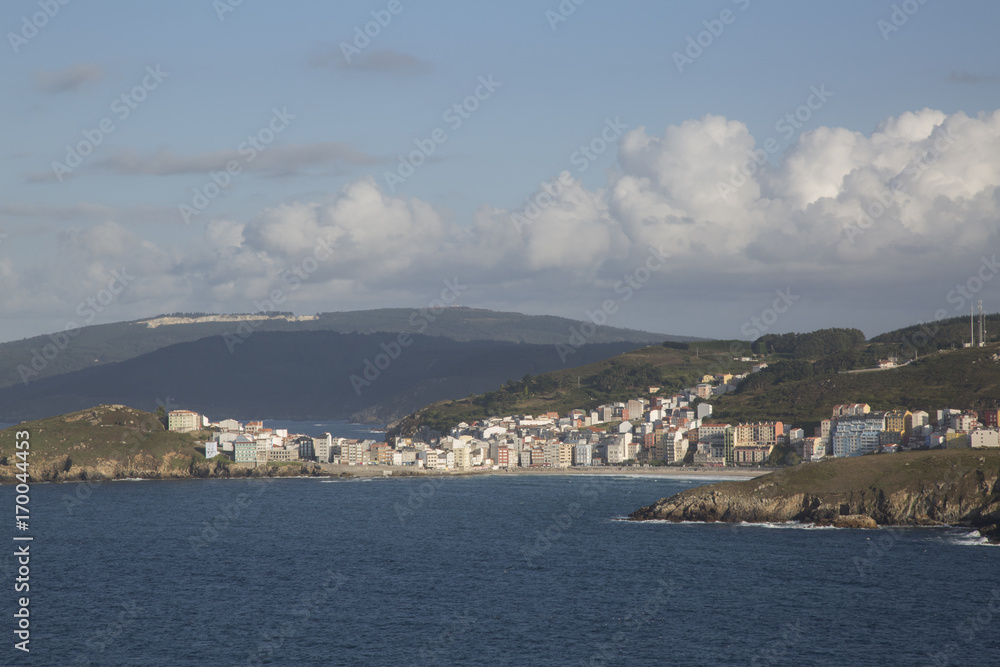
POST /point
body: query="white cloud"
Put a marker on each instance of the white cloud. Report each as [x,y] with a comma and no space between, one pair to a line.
[69,79]
[787,225]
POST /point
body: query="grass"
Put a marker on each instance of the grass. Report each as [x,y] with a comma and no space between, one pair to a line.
[104,434]
[887,473]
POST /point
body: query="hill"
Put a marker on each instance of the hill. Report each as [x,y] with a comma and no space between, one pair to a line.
[45,356]
[950,487]
[295,375]
[800,385]
[937,335]
[115,442]
[669,366]
[960,378]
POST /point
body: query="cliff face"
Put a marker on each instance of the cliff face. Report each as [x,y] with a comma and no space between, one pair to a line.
[116,442]
[168,469]
[958,487]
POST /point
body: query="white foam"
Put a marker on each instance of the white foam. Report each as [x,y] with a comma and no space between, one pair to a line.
[973,539]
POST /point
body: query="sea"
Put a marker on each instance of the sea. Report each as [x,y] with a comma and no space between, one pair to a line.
[338,428]
[477,570]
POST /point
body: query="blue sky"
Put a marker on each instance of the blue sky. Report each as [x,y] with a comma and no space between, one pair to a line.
[324,173]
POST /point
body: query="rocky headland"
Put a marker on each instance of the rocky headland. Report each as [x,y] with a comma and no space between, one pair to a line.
[956,487]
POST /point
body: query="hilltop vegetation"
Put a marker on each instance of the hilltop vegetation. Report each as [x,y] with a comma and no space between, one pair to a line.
[88,347]
[960,378]
[807,374]
[113,442]
[669,366]
[953,487]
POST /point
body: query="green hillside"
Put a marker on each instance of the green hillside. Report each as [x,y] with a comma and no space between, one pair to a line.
[807,375]
[39,357]
[960,378]
[102,437]
[669,366]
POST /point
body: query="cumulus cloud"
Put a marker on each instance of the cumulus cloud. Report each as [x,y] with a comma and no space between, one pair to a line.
[68,80]
[839,212]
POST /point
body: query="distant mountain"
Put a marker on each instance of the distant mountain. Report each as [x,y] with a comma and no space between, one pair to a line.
[32,359]
[297,375]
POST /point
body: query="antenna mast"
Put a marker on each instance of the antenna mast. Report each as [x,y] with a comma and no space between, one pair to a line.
[972,325]
[982,325]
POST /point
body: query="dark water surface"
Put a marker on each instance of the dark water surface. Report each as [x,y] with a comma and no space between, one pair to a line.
[521,570]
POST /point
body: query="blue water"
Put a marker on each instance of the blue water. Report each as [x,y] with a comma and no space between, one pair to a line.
[339,428]
[415,572]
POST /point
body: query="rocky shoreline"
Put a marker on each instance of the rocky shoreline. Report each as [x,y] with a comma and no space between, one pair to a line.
[898,492]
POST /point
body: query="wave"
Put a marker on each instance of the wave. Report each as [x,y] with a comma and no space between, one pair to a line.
[973,539]
[788,525]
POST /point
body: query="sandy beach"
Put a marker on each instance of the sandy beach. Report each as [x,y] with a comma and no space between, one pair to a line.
[662,471]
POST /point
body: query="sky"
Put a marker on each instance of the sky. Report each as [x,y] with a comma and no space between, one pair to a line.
[718,169]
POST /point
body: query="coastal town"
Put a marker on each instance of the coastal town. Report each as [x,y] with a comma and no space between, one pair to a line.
[656,429]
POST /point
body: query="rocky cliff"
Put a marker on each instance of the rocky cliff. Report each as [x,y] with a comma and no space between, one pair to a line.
[951,487]
[116,442]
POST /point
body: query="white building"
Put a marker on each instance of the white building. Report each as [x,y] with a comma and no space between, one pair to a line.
[230,425]
[986,437]
[617,451]
[211,449]
[183,421]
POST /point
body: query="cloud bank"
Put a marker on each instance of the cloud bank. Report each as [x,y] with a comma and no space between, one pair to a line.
[892,215]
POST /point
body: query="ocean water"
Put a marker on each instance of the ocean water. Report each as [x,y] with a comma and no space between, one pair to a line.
[339,428]
[489,570]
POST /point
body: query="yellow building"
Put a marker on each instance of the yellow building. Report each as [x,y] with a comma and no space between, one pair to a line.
[899,421]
